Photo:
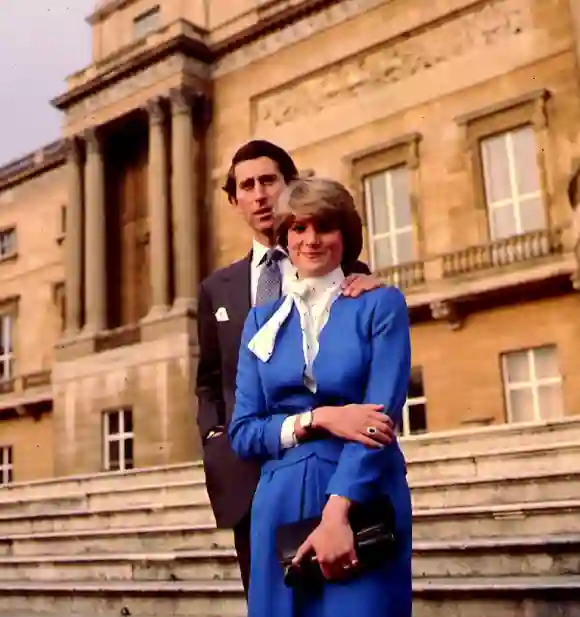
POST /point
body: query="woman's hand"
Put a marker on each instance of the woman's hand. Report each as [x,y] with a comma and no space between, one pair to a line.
[364,423]
[332,541]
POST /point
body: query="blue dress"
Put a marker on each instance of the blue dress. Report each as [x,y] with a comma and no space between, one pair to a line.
[363,357]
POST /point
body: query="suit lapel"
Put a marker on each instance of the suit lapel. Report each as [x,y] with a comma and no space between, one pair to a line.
[238,290]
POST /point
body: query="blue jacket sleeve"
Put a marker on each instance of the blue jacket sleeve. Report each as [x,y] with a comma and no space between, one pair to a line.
[253,433]
[360,468]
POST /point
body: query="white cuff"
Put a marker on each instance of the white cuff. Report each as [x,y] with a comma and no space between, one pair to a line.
[287,435]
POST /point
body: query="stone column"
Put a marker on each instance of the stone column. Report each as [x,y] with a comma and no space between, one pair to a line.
[73,240]
[95,267]
[184,184]
[158,211]
[575,16]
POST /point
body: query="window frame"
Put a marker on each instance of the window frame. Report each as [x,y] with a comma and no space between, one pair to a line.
[534,384]
[412,401]
[9,229]
[6,465]
[120,437]
[374,237]
[530,108]
[9,311]
[403,151]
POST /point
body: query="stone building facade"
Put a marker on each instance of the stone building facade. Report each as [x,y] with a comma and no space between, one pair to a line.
[455,124]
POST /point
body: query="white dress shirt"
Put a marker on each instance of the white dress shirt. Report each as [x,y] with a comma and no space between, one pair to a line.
[287,269]
[313,299]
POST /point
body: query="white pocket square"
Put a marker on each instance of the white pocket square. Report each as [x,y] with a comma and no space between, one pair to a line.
[221,314]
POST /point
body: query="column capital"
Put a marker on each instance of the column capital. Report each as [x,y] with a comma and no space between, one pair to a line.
[72,149]
[155,110]
[92,139]
[182,101]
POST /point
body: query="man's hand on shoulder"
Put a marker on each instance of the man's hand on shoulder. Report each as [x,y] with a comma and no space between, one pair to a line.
[356,284]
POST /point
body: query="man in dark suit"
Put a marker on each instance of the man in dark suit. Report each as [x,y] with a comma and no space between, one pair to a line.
[259,172]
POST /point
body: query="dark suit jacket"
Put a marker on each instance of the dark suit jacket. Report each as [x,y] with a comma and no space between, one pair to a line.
[231,481]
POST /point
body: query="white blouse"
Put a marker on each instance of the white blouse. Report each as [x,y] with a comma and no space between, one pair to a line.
[313,298]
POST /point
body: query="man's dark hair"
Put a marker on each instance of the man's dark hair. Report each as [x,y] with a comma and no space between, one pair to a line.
[256,149]
[574,189]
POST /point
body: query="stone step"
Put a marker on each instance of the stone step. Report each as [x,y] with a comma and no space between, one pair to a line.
[427,493]
[81,485]
[496,463]
[508,489]
[498,596]
[500,520]
[474,557]
[437,597]
[114,598]
[182,488]
[117,540]
[420,450]
[481,439]
[168,529]
[108,518]
[541,555]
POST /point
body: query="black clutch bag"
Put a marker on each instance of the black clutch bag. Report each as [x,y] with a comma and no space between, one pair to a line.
[373,526]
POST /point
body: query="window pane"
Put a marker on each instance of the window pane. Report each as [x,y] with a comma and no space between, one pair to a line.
[113,447]
[113,423]
[8,456]
[416,383]
[522,405]
[517,367]
[401,197]
[128,419]
[551,401]
[546,364]
[532,214]
[405,247]
[382,253]
[495,168]
[128,454]
[502,222]
[417,418]
[377,191]
[525,160]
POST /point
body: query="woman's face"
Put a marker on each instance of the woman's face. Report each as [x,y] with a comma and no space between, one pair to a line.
[315,248]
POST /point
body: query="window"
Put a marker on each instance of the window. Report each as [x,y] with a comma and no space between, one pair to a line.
[6,475]
[415,409]
[146,22]
[62,223]
[512,183]
[7,242]
[533,385]
[6,347]
[389,216]
[118,440]
[59,299]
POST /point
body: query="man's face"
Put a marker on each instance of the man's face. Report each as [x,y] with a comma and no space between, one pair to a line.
[258,187]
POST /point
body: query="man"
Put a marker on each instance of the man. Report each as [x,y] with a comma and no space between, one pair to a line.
[259,172]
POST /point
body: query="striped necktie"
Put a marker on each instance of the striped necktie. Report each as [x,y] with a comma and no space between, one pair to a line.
[270,281]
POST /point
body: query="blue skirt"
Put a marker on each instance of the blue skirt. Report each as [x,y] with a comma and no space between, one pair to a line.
[296,491]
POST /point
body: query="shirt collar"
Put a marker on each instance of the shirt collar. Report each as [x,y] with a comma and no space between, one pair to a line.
[258,252]
[318,285]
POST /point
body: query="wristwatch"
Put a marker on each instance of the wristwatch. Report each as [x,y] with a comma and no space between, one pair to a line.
[307,420]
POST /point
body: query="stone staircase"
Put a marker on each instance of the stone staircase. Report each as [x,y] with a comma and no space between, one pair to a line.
[496,530]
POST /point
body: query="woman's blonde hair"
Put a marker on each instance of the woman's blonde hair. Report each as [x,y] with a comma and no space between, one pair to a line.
[327,202]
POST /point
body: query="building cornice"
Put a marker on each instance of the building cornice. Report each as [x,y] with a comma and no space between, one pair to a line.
[179,44]
[26,167]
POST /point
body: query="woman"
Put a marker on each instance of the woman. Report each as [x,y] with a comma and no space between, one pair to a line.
[315,350]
